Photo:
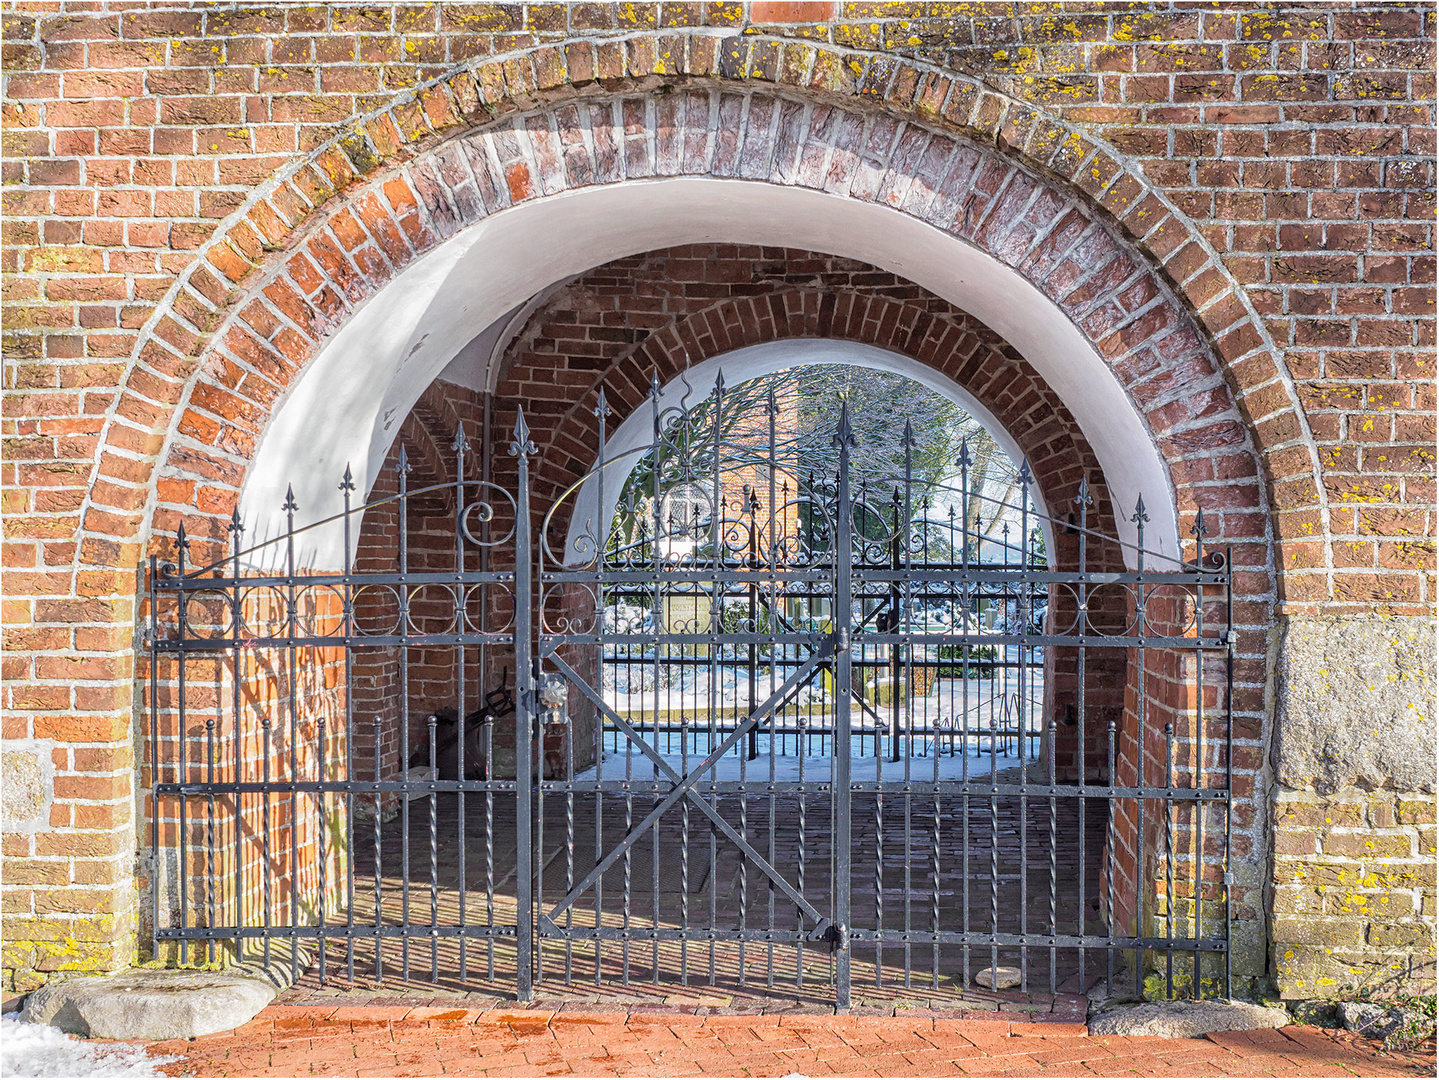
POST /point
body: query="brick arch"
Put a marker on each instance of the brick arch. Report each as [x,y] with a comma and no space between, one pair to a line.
[1050,231]
[1103,248]
[828,298]
[288,267]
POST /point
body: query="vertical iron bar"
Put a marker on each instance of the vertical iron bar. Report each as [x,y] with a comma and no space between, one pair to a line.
[684,851]
[1084,502]
[1169,863]
[210,834]
[1228,783]
[347,630]
[802,732]
[772,556]
[324,842]
[238,653]
[1198,807]
[487,723]
[379,813]
[1020,712]
[182,880]
[521,448]
[1110,829]
[434,854]
[843,659]
[265,833]
[292,629]
[715,627]
[403,468]
[155,851]
[459,445]
[602,412]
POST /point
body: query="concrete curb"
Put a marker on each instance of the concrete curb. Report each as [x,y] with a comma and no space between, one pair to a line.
[1187,1019]
[159,1004]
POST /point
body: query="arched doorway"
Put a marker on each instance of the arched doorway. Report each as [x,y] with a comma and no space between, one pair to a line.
[364,380]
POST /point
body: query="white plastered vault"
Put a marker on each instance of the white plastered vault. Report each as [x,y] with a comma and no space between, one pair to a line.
[346,408]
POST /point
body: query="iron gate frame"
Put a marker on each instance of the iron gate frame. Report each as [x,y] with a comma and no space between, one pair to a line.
[173,587]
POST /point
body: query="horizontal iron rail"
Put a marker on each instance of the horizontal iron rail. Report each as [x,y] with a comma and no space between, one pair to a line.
[856,934]
[418,787]
[551,642]
[340,931]
[666,933]
[823,572]
[326,641]
[1037,940]
[972,788]
[191,583]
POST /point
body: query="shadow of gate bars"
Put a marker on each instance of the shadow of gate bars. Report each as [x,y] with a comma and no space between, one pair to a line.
[778,732]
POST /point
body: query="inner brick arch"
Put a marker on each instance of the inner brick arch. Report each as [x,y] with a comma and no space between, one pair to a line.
[773,294]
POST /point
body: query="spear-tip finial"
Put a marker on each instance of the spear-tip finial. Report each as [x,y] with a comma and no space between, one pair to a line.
[964,460]
[1200,528]
[719,383]
[655,382]
[908,433]
[1140,517]
[182,542]
[770,405]
[459,444]
[522,445]
[1083,499]
[290,504]
[1026,474]
[844,432]
[235,526]
[602,405]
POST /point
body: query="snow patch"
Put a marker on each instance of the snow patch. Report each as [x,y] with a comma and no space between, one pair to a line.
[979,765]
[40,1050]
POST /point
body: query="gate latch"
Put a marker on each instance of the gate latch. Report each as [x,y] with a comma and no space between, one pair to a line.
[835,935]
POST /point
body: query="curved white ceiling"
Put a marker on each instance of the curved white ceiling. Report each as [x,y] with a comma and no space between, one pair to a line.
[348,404]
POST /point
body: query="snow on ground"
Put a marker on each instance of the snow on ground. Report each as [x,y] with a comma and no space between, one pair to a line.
[39,1050]
[815,767]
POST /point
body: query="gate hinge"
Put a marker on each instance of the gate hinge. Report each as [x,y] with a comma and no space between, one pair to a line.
[838,937]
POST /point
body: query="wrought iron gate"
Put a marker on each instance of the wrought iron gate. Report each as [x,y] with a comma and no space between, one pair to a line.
[774,732]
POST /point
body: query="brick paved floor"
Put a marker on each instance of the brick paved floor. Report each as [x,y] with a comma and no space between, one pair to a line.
[296,1040]
[985,871]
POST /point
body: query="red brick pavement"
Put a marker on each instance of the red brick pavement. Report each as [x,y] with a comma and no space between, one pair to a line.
[309,1040]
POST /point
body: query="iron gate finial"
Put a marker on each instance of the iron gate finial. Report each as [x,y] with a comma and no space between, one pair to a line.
[522,444]
[844,432]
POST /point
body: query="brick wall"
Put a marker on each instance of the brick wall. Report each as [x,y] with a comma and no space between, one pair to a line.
[1274,167]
